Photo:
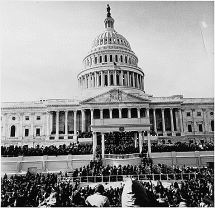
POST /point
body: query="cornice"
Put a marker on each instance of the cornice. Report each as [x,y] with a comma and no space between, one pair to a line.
[119,125]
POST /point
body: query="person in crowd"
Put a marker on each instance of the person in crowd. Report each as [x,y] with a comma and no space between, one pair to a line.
[98,199]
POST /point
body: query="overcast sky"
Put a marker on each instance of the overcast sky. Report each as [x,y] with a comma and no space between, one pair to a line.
[43,45]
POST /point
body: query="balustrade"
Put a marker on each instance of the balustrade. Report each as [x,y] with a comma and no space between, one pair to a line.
[119,178]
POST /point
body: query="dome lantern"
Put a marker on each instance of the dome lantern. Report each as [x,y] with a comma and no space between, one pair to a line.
[109,21]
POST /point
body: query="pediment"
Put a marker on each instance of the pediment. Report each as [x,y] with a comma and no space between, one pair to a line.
[114,96]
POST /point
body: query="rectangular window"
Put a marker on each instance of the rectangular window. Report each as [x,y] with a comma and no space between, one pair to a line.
[26,132]
[37,132]
[200,127]
[198,113]
[188,113]
[189,128]
[38,117]
[26,118]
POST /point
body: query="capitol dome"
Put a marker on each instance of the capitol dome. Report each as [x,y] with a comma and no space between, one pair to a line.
[110,64]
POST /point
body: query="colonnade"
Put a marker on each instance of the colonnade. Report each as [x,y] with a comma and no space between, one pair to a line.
[177,121]
[111,78]
[120,113]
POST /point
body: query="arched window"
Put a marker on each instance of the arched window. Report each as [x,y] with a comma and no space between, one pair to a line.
[129,60]
[121,58]
[95,60]
[126,59]
[111,59]
[100,59]
[116,58]
[12,131]
[105,58]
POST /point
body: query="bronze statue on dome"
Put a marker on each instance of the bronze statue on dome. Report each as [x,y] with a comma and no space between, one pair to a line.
[108,11]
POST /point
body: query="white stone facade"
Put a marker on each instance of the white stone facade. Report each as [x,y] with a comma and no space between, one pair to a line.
[112,99]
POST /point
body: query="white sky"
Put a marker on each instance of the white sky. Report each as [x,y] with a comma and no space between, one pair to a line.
[43,45]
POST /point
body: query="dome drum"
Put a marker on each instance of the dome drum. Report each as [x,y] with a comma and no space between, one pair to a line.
[110,57]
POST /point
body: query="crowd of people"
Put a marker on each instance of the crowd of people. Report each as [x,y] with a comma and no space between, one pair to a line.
[183,147]
[73,149]
[121,146]
[46,190]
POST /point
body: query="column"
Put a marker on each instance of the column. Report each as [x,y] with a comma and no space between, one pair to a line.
[154,119]
[138,112]
[205,121]
[101,113]
[75,126]
[57,125]
[138,84]
[102,79]
[147,112]
[133,79]
[194,129]
[120,112]
[114,77]
[108,78]
[129,112]
[94,144]
[103,144]
[121,78]
[172,125]
[149,144]
[83,129]
[128,80]
[66,124]
[32,124]
[47,124]
[143,83]
[177,120]
[110,112]
[163,123]
[91,116]
[44,124]
[93,79]
[21,126]
[140,141]
[51,122]
[135,139]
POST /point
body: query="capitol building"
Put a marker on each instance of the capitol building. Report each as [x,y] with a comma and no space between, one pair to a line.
[112,99]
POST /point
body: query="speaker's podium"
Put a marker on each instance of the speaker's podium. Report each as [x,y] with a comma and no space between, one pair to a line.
[33,170]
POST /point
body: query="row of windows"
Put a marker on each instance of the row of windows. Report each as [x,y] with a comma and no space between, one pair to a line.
[111,58]
[26,118]
[13,132]
[199,114]
[200,127]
